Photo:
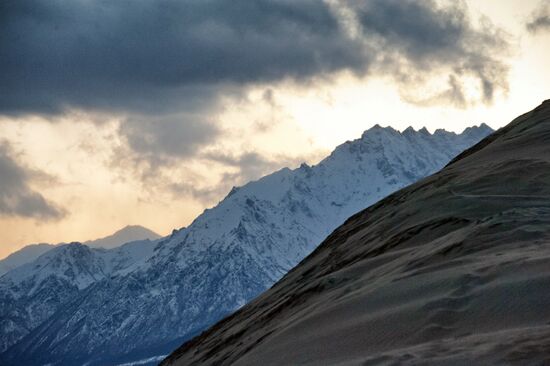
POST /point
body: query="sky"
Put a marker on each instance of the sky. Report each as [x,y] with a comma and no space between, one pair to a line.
[142,112]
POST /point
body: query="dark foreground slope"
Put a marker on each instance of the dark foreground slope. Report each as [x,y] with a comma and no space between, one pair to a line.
[454,269]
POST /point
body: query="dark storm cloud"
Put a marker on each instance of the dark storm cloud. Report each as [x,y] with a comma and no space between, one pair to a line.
[174,135]
[540,18]
[138,55]
[16,197]
[148,56]
[418,37]
[165,66]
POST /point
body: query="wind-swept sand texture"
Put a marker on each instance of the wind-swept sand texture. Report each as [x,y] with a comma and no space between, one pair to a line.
[453,270]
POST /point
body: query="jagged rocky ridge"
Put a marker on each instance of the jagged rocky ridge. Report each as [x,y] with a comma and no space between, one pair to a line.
[454,269]
[233,252]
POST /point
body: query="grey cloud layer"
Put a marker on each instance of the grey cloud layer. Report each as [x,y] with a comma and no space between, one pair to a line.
[540,18]
[427,38]
[247,166]
[174,135]
[165,65]
[149,56]
[16,197]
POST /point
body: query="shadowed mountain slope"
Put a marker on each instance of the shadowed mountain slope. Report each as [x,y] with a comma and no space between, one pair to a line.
[454,269]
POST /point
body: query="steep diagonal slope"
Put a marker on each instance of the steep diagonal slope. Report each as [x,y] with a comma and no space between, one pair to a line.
[454,269]
[233,252]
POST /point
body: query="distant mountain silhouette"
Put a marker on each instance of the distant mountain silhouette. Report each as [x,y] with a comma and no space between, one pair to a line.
[125,235]
[30,252]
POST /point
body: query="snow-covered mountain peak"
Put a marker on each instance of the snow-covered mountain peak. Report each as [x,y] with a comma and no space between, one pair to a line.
[125,235]
[376,130]
[383,155]
[31,252]
[22,256]
[74,263]
[79,265]
[35,291]
[475,131]
[424,131]
[232,252]
[443,132]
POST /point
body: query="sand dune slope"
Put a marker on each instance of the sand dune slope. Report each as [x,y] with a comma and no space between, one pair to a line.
[453,270]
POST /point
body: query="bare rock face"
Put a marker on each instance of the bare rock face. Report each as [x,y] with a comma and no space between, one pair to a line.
[454,269]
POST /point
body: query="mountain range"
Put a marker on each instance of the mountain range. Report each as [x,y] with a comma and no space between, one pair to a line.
[30,252]
[146,306]
[33,292]
[452,270]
